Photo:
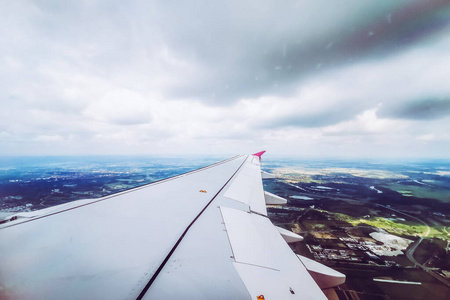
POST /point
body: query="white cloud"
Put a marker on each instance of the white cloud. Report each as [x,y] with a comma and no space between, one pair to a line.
[48,138]
[121,107]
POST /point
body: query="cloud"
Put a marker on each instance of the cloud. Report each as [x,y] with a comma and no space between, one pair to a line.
[48,138]
[423,109]
[366,123]
[140,76]
[121,107]
[217,53]
[273,48]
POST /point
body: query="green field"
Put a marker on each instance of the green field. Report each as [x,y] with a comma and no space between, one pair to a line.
[427,192]
[397,228]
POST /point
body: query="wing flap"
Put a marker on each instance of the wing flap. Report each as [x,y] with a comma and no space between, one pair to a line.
[264,261]
[247,187]
[324,276]
[289,236]
[272,199]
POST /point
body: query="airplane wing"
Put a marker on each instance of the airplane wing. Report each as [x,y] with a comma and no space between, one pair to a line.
[200,235]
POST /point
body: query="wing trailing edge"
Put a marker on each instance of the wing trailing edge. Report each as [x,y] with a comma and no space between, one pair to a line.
[272,199]
[266,175]
[324,276]
[289,236]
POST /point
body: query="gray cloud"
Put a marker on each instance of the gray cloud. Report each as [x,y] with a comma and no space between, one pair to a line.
[272,51]
[325,117]
[423,109]
[235,49]
[391,31]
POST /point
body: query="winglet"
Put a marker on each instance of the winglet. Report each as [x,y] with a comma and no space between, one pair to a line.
[259,154]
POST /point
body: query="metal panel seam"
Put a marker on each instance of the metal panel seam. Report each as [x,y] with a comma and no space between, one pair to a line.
[147,286]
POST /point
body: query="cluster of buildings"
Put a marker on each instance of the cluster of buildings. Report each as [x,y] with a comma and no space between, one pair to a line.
[333,254]
[359,251]
[371,249]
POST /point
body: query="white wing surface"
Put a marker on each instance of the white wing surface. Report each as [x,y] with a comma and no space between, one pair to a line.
[201,235]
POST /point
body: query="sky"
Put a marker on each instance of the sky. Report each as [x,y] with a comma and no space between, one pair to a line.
[316,78]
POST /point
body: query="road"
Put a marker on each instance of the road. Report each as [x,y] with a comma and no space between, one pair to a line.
[448,240]
[410,251]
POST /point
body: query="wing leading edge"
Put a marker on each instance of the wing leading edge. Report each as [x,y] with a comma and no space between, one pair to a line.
[201,235]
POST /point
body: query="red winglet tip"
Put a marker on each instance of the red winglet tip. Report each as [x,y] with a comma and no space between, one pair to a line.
[259,154]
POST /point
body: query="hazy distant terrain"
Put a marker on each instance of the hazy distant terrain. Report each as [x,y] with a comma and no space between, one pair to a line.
[30,183]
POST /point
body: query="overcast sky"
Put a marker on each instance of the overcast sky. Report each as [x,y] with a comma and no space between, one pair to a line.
[320,78]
